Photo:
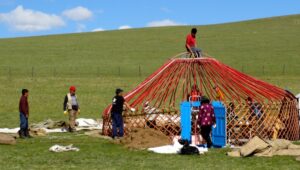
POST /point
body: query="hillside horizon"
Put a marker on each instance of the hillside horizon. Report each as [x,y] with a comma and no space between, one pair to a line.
[112,30]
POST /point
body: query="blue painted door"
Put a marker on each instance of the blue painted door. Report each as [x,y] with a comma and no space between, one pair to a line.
[219,133]
[185,118]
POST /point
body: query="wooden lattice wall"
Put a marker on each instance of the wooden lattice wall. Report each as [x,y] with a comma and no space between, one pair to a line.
[277,120]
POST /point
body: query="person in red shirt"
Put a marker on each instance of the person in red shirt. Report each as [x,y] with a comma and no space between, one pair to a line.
[24,114]
[191,44]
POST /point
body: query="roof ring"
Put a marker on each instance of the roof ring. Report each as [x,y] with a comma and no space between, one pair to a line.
[188,55]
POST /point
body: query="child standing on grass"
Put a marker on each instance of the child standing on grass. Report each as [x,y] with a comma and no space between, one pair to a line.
[24,114]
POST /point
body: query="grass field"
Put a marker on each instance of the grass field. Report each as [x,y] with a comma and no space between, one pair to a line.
[101,154]
[99,62]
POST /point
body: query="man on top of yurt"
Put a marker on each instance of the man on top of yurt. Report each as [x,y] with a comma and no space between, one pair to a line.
[191,44]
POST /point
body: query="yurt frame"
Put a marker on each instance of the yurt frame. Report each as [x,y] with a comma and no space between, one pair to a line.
[254,107]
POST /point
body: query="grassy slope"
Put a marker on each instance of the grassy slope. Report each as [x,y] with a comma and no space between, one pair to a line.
[269,42]
[91,61]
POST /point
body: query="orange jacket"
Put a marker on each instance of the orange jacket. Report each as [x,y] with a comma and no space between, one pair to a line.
[220,95]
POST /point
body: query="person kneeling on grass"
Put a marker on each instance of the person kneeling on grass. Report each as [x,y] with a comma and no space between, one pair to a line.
[24,114]
[116,114]
[71,107]
[206,119]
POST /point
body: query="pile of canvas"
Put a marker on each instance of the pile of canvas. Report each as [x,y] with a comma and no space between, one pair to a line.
[7,139]
[259,147]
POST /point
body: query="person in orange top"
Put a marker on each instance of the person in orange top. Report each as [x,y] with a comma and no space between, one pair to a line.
[220,95]
[191,44]
[195,94]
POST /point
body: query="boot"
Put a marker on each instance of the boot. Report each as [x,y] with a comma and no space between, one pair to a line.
[22,133]
[27,133]
[71,129]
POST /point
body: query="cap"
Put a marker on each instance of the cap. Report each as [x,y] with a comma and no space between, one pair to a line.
[72,88]
[118,91]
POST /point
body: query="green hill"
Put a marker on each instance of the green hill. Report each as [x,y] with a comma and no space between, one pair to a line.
[267,42]
[98,62]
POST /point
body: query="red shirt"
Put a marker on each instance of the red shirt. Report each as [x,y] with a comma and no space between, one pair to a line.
[23,105]
[190,40]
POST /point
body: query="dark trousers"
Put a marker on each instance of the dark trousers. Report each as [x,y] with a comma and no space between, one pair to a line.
[117,124]
[205,133]
[23,122]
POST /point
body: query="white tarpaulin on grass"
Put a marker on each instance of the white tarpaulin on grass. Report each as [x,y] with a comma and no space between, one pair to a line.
[59,148]
[88,123]
[174,149]
[83,124]
[8,130]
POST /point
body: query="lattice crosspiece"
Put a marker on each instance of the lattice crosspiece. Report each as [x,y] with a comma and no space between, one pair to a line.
[270,112]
